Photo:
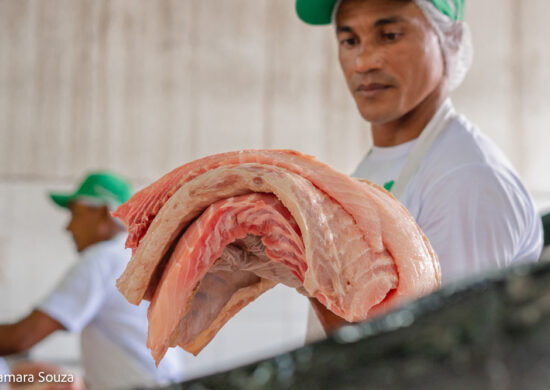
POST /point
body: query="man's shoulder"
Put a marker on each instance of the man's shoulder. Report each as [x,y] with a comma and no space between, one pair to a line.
[463,150]
[465,169]
[109,253]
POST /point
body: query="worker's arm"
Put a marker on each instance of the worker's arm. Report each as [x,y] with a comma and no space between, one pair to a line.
[328,319]
[22,335]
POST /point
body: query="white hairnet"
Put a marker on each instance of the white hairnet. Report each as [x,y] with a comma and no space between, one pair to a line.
[454,38]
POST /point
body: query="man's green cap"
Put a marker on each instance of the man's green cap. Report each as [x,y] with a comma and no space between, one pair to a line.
[319,12]
[98,188]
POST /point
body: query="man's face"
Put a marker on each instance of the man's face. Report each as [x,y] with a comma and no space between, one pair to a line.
[390,56]
[87,224]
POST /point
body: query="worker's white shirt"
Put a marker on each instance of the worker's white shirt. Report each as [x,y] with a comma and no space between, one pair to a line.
[114,332]
[467,200]
[4,370]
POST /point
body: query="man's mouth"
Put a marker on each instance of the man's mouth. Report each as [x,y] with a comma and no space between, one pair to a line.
[372,89]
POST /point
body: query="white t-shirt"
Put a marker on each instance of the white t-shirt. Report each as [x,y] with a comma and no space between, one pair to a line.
[466,198]
[3,367]
[114,332]
[4,370]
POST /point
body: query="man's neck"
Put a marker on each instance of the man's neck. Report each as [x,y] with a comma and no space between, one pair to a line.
[112,233]
[410,125]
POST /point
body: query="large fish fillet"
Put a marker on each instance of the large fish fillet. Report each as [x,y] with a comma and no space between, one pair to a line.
[211,236]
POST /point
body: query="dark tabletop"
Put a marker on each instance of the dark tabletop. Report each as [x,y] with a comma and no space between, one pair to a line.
[492,333]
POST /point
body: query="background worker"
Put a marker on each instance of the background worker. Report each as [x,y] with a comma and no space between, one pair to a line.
[114,332]
[401,59]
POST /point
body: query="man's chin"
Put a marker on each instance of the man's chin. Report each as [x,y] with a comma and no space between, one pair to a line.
[376,113]
[377,117]
[78,247]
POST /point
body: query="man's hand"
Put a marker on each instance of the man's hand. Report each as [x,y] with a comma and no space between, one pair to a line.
[328,319]
[22,335]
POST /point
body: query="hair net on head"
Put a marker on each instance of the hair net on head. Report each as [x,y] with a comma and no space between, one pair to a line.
[455,39]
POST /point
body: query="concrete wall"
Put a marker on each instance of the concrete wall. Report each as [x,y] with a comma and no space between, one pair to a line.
[143,87]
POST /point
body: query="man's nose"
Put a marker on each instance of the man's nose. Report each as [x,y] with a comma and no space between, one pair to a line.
[368,58]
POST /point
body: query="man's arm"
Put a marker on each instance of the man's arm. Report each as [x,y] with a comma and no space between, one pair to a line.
[24,334]
[328,319]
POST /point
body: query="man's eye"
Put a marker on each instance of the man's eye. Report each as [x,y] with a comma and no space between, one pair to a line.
[391,36]
[348,42]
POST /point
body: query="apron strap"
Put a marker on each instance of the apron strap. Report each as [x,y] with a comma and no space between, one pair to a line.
[444,115]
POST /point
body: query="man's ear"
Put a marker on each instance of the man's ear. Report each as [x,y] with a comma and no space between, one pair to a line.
[105,221]
[104,212]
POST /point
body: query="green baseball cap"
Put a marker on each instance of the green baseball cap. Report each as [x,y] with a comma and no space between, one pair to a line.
[98,188]
[319,12]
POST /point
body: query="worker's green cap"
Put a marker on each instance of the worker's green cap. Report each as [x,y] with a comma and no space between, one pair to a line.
[98,188]
[320,11]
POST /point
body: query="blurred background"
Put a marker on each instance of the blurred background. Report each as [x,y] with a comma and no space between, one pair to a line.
[141,87]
